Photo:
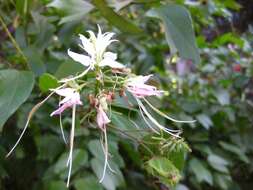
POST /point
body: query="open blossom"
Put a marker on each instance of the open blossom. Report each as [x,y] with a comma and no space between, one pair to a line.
[138,88]
[95,47]
[72,97]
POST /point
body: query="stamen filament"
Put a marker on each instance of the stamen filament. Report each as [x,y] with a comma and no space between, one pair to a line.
[76,77]
[106,156]
[72,135]
[166,116]
[145,120]
[62,132]
[153,120]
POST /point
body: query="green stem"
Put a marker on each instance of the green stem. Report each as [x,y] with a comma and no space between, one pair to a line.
[14,42]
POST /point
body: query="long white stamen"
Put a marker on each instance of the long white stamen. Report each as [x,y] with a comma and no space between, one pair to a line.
[153,120]
[145,120]
[103,148]
[62,132]
[106,156]
[76,77]
[166,116]
[72,135]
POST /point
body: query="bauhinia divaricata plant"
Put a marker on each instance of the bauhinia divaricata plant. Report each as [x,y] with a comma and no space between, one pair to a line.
[102,79]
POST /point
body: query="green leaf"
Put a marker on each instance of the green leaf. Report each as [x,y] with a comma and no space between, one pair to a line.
[44,31]
[223,181]
[178,158]
[46,152]
[228,38]
[47,82]
[56,185]
[80,158]
[119,4]
[200,171]
[236,150]
[15,88]
[68,68]
[222,96]
[22,6]
[88,183]
[73,10]
[205,120]
[35,60]
[164,169]
[96,149]
[111,180]
[115,19]
[178,29]
[218,163]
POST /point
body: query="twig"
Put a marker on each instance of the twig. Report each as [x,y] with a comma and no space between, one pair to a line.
[14,42]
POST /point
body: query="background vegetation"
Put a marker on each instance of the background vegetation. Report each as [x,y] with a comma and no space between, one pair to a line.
[215,88]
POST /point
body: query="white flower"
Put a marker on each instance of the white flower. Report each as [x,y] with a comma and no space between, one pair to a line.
[95,47]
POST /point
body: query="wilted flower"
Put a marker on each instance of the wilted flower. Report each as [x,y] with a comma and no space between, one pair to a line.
[72,97]
[136,85]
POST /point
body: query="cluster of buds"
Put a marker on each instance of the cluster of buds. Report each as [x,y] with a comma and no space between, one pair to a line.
[109,78]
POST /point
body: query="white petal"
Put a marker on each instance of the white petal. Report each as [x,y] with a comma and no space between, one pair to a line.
[110,55]
[83,59]
[138,80]
[64,91]
[92,36]
[111,63]
[67,98]
[87,45]
[99,32]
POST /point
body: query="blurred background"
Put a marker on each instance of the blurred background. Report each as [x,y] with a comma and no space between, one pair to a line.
[216,89]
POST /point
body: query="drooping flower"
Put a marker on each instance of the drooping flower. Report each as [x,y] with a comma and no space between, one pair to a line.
[70,100]
[102,121]
[136,85]
[72,97]
[102,118]
[95,47]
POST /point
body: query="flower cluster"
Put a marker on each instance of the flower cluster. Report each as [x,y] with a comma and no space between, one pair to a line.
[111,77]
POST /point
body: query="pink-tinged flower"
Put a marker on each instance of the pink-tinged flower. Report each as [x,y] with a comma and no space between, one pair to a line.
[102,118]
[72,97]
[139,89]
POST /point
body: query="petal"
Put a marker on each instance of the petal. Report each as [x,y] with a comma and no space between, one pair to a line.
[87,45]
[60,109]
[66,99]
[141,79]
[72,99]
[110,55]
[99,32]
[142,92]
[83,59]
[102,118]
[75,99]
[92,36]
[111,63]
[64,91]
